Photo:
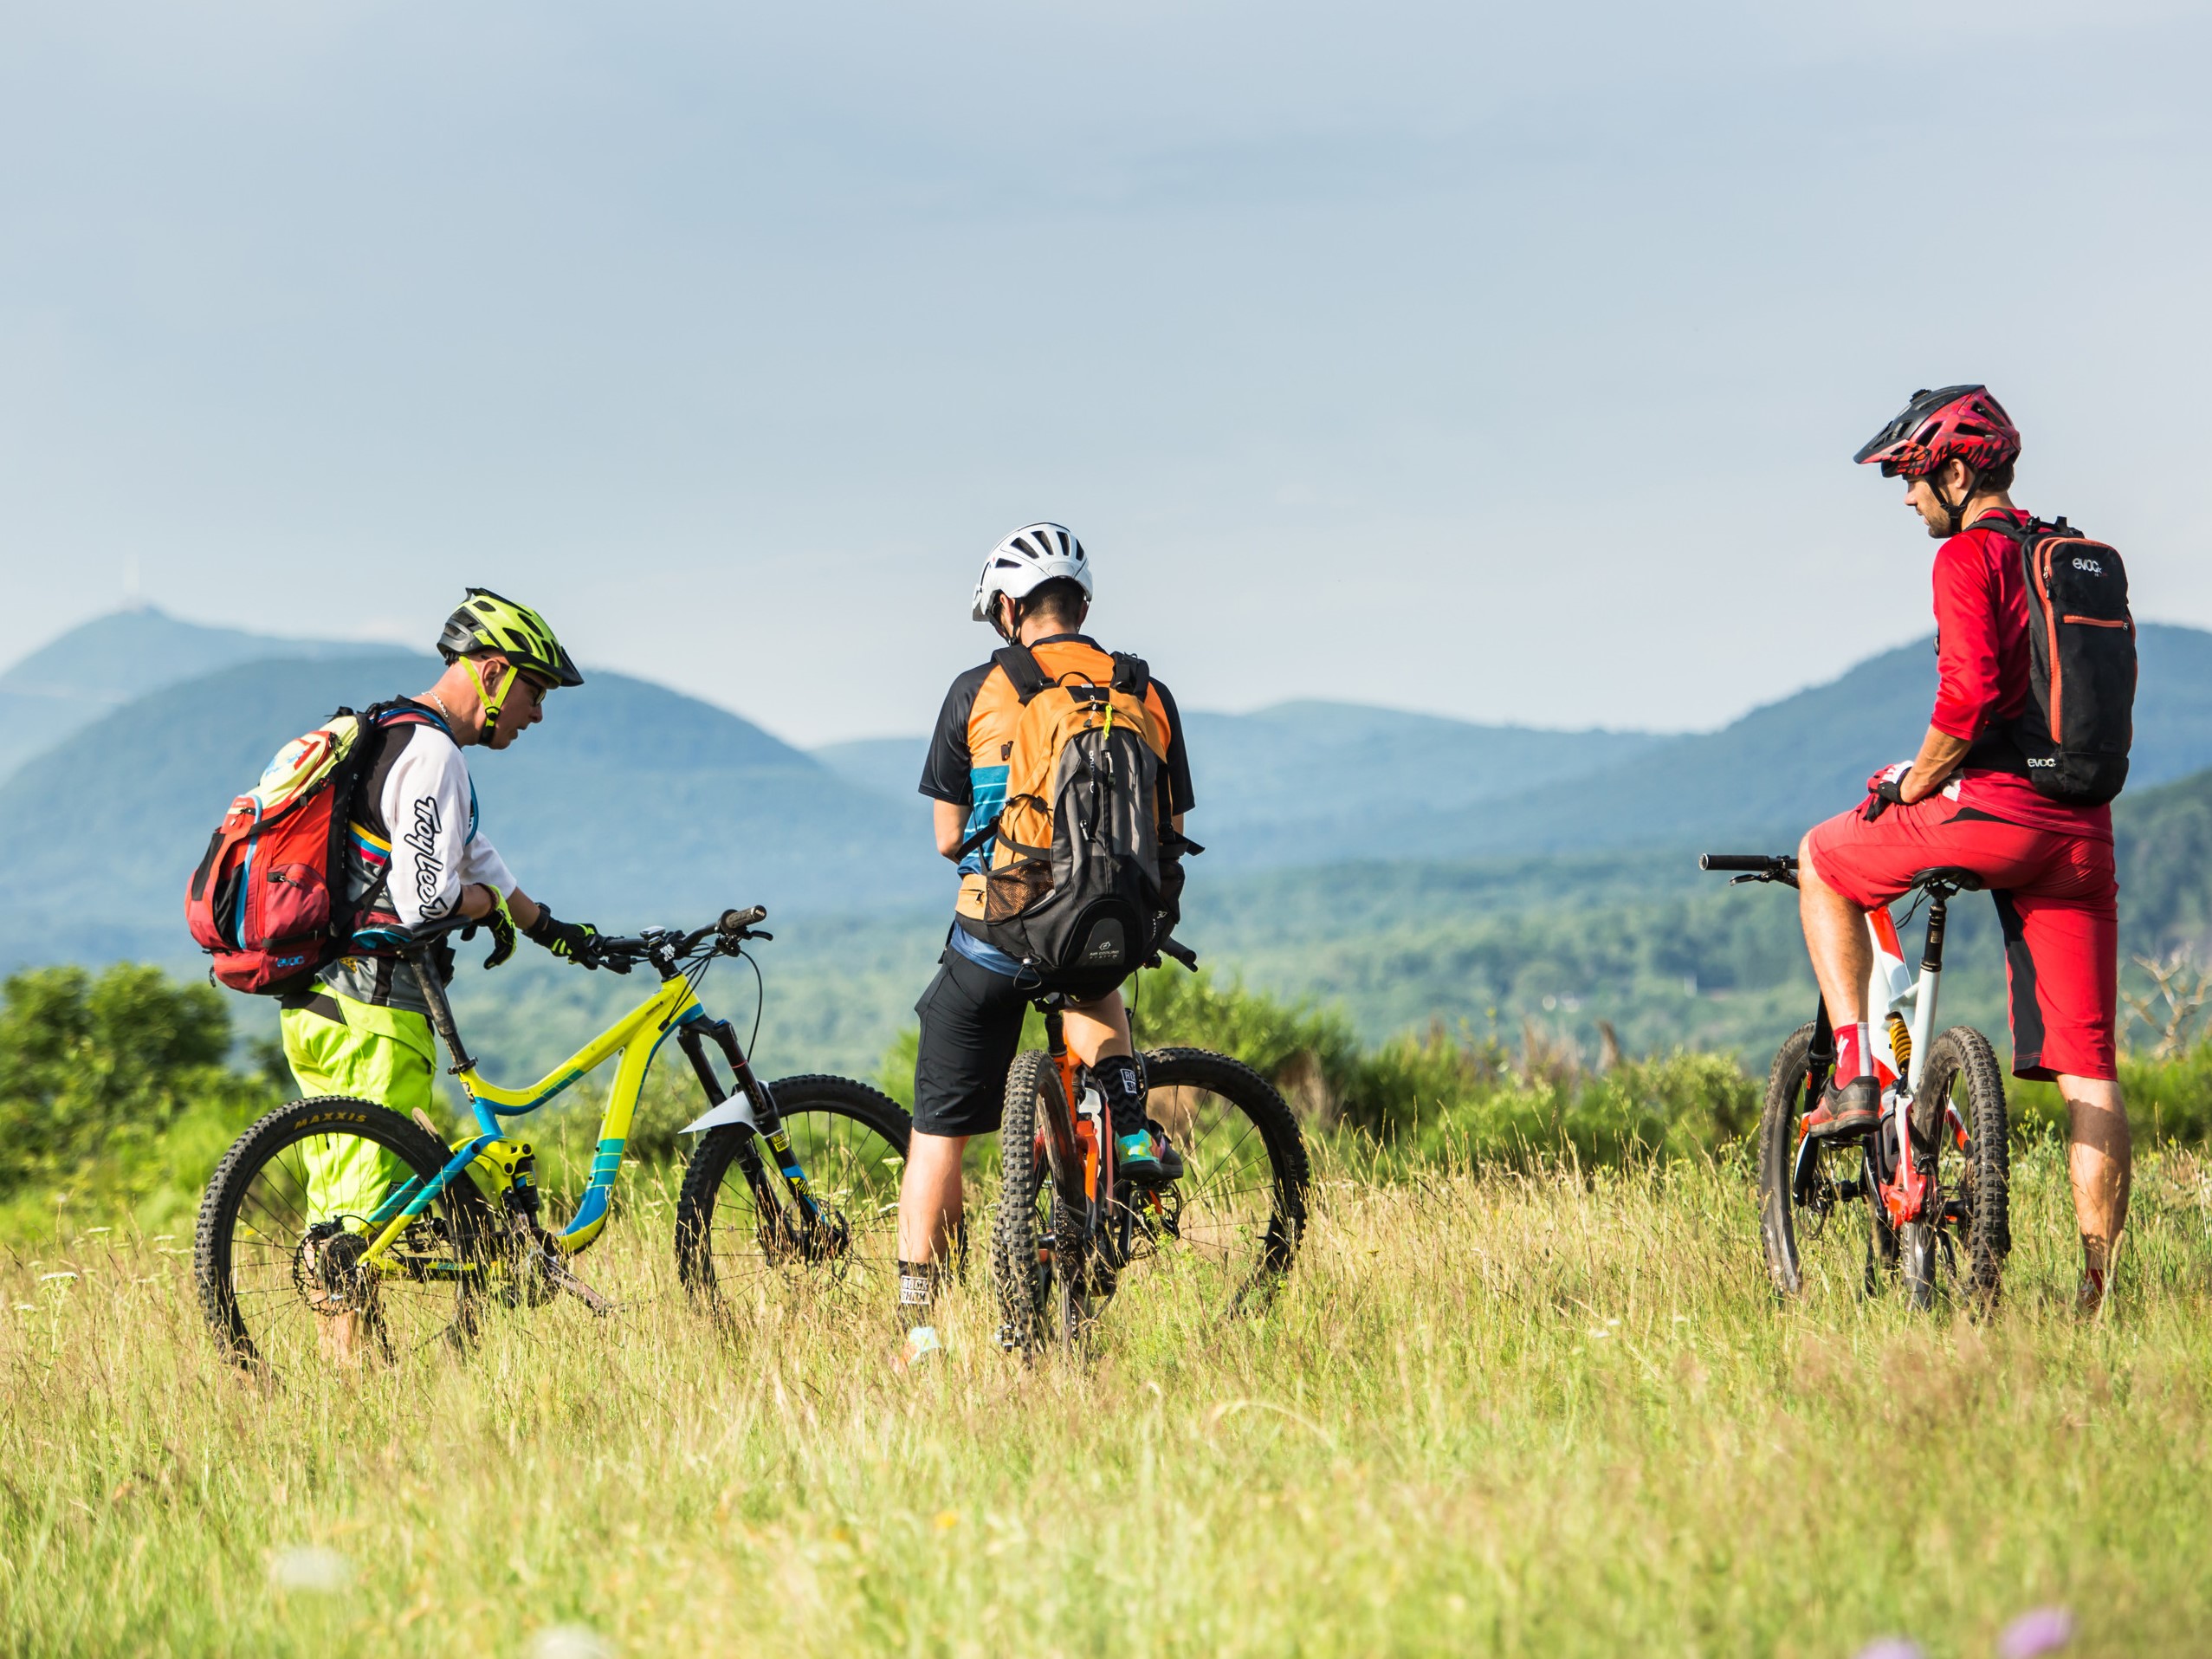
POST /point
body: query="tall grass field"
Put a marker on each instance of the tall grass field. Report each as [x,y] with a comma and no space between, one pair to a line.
[1548,1411]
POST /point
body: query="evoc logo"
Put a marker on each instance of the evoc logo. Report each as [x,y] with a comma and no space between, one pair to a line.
[2089,565]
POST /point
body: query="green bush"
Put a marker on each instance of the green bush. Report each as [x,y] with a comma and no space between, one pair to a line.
[114,1090]
[1428,1096]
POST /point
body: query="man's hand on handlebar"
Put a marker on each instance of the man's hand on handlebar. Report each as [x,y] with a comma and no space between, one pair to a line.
[1885,789]
[576,942]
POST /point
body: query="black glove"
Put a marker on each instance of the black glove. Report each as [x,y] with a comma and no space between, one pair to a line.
[501,922]
[1884,790]
[576,942]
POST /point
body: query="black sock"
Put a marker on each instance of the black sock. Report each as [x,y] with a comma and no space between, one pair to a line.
[1121,1082]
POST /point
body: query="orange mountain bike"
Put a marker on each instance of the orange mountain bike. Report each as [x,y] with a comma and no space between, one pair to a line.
[1067,1234]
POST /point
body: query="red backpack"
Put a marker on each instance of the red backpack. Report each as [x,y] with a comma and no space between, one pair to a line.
[268,901]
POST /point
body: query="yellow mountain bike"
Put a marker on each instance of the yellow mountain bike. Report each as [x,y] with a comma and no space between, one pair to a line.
[300,1260]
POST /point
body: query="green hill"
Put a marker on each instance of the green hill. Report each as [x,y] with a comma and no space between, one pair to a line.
[95,670]
[1788,764]
[1318,783]
[630,805]
[1311,782]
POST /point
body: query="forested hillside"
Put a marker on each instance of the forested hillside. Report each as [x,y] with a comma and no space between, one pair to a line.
[634,806]
[96,669]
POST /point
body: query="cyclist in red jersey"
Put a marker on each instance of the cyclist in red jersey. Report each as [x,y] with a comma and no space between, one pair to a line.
[1965,800]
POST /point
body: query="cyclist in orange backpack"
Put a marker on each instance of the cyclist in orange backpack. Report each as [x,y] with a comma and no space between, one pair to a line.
[1035,591]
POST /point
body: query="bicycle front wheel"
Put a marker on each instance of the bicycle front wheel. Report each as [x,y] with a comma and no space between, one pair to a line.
[737,1225]
[1811,1236]
[278,1253]
[1229,1230]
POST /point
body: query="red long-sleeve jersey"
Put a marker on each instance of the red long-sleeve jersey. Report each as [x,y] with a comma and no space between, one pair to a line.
[1982,657]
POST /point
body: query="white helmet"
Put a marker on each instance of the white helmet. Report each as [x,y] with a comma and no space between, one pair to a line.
[1034,554]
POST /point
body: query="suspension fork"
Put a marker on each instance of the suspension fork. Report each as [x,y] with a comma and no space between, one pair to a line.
[767,1121]
[1820,1061]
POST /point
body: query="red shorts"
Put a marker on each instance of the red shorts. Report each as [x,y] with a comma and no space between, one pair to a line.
[2057,897]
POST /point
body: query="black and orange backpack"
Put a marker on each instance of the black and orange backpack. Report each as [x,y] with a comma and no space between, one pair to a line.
[1085,874]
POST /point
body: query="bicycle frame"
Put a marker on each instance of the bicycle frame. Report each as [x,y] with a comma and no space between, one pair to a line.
[1074,1137]
[672,1010]
[1893,990]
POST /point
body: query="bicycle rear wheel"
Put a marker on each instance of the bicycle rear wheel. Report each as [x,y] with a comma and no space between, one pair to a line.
[851,1140]
[1229,1230]
[1049,1285]
[1967,1149]
[1810,1238]
[277,1253]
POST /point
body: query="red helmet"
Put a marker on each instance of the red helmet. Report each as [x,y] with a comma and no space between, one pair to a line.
[1961,422]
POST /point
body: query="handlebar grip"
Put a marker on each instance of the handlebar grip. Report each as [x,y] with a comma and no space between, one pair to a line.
[737,921]
[1749,862]
[1181,953]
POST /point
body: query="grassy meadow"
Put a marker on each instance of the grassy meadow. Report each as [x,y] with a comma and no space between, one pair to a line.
[1542,1411]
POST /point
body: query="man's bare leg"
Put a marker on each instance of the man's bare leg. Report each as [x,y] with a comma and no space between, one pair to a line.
[2100,1160]
[1095,1030]
[930,1221]
[1843,957]
[930,1198]
[1836,939]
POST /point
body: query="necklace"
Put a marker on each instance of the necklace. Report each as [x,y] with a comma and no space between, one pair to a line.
[442,709]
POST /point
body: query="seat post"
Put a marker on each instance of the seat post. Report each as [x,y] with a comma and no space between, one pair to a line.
[1932,958]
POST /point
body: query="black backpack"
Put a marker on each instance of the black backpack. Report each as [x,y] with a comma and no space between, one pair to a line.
[2072,736]
[1085,875]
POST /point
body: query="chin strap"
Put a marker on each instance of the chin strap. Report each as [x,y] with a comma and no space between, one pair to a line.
[1953,513]
[496,701]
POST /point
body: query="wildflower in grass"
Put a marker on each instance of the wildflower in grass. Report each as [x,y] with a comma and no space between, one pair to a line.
[2045,1629]
[1891,1646]
[309,1567]
[569,1641]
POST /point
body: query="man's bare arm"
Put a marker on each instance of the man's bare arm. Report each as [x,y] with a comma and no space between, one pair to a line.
[951,824]
[1940,754]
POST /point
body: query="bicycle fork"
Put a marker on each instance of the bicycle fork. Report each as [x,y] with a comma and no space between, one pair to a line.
[806,1235]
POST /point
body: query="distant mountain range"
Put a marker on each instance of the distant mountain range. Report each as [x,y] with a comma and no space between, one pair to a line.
[634,803]
[1314,783]
[1310,782]
[93,671]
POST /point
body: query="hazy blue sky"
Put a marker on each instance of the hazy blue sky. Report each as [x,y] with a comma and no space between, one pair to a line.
[1501,361]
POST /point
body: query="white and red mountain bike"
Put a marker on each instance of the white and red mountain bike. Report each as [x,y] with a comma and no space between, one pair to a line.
[1935,1173]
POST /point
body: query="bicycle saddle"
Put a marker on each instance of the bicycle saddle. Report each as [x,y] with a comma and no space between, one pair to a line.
[1948,875]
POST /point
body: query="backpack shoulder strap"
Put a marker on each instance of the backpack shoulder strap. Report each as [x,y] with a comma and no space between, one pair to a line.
[1023,669]
[2034,530]
[1132,675]
[403,711]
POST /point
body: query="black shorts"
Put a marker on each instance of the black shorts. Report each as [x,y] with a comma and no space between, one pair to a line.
[971,1027]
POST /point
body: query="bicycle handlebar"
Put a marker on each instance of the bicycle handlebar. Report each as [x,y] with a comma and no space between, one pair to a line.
[1755,863]
[733,927]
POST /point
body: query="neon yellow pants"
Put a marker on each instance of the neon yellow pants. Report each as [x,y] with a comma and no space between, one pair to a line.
[386,1055]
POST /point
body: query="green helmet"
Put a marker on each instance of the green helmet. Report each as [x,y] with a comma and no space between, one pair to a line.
[487,622]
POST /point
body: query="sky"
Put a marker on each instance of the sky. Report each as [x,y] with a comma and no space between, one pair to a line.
[1500,362]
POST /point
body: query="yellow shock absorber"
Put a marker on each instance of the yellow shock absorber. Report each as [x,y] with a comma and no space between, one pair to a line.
[1901,1045]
